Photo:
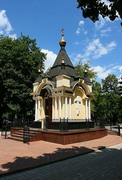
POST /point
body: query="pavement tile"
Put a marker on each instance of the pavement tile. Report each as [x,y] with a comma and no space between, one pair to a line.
[16,156]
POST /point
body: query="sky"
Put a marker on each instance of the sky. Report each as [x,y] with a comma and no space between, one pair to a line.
[99,43]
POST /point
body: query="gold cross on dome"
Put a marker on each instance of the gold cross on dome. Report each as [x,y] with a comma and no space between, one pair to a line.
[62,30]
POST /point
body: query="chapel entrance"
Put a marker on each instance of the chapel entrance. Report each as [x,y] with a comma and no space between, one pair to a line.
[48,112]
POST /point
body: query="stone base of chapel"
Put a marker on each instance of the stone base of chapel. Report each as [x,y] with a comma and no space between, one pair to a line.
[70,137]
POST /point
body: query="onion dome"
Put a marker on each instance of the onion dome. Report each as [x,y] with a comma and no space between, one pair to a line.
[62,41]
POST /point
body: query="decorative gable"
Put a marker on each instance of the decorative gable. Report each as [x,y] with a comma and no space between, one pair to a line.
[62,80]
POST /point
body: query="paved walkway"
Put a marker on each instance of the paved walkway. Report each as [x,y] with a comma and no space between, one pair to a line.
[100,165]
[16,156]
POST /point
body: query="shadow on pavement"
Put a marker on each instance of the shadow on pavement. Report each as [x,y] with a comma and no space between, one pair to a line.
[25,163]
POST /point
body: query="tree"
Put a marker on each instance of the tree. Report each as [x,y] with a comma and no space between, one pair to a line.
[81,68]
[96,100]
[120,101]
[93,8]
[110,92]
[19,63]
[110,84]
[105,103]
[120,86]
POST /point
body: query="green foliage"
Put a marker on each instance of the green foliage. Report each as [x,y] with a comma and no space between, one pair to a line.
[106,100]
[97,102]
[19,63]
[110,84]
[81,68]
[92,9]
[106,104]
[120,86]
[120,101]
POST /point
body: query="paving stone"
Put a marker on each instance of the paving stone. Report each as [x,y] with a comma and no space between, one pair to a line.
[16,155]
[105,164]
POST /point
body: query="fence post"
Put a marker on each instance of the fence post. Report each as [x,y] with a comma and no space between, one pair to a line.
[87,123]
[28,131]
[60,125]
[67,125]
[6,131]
[23,130]
[119,130]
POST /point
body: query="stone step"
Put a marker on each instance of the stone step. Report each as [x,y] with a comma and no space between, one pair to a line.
[32,133]
[30,130]
[17,133]
[16,138]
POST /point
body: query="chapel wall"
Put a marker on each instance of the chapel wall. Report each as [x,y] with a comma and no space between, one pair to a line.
[78,108]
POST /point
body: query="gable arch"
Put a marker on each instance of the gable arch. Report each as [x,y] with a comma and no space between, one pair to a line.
[82,86]
[45,84]
[79,90]
[46,89]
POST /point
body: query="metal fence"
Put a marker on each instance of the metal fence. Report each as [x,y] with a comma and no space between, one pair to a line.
[62,125]
[115,128]
[68,124]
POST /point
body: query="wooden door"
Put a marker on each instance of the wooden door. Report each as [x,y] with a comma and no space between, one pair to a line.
[48,111]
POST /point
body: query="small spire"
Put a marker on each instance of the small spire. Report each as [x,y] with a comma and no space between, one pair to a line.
[85,73]
[62,41]
[39,70]
[62,64]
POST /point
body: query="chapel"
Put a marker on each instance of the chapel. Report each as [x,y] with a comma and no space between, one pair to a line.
[62,95]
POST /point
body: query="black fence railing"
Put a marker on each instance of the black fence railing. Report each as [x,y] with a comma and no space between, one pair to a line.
[6,128]
[68,124]
[99,123]
[62,125]
[26,133]
[116,128]
[24,124]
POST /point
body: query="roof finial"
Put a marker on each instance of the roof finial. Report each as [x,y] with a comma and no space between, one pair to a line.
[62,41]
[62,30]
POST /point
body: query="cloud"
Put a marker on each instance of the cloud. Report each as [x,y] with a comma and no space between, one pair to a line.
[105,32]
[96,49]
[120,68]
[5,25]
[102,21]
[4,22]
[81,28]
[50,58]
[76,42]
[103,72]
[106,2]
[78,31]
[85,32]
[81,23]
[77,57]
[1,32]
[13,36]
[99,24]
